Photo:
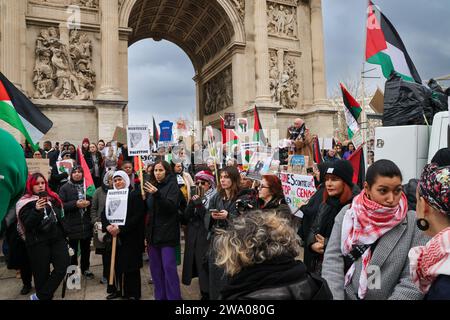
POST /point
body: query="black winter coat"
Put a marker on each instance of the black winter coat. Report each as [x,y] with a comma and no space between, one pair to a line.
[77,223]
[163,229]
[282,278]
[36,230]
[130,240]
[440,289]
[217,202]
[323,224]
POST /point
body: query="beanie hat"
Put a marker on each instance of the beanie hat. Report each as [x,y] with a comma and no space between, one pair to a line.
[13,173]
[206,176]
[342,169]
[85,140]
[434,186]
[63,153]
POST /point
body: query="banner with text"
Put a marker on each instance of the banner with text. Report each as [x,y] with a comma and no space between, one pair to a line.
[298,189]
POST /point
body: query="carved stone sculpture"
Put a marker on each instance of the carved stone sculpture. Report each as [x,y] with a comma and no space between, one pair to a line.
[218,92]
[240,7]
[284,84]
[63,71]
[282,20]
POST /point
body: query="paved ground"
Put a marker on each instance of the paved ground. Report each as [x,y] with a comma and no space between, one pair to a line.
[10,286]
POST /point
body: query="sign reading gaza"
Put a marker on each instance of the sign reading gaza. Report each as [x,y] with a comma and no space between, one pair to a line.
[297,189]
[138,140]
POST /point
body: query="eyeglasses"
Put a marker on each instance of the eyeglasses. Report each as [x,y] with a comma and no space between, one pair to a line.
[200,182]
[262,187]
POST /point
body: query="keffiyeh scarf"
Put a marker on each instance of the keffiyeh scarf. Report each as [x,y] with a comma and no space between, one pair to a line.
[364,223]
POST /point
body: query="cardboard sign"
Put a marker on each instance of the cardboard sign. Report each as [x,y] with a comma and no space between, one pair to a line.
[229,120]
[138,140]
[358,139]
[39,165]
[297,189]
[120,135]
[116,206]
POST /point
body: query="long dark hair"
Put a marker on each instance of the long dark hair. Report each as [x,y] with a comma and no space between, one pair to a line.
[235,177]
[167,168]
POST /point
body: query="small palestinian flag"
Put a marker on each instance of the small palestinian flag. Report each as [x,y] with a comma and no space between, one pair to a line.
[258,131]
[17,110]
[352,111]
[385,47]
[89,187]
[229,136]
[358,164]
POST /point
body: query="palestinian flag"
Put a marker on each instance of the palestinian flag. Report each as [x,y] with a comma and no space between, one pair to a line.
[89,187]
[359,168]
[229,136]
[17,110]
[155,133]
[385,47]
[352,111]
[258,131]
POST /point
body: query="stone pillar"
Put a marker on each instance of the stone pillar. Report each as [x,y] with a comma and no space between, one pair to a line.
[318,60]
[109,89]
[10,26]
[262,53]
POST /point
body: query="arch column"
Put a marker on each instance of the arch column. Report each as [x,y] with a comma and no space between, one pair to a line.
[262,53]
[318,57]
[109,90]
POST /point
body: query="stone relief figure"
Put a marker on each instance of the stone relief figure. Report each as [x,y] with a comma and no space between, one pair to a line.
[63,71]
[85,3]
[240,7]
[282,20]
[283,83]
[218,92]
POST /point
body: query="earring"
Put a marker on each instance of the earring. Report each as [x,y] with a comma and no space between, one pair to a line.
[423,224]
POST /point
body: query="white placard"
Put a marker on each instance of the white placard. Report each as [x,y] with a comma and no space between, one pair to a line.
[138,140]
[116,206]
[327,143]
[357,139]
[297,189]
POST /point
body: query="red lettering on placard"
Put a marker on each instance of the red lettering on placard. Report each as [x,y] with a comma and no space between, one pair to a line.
[286,190]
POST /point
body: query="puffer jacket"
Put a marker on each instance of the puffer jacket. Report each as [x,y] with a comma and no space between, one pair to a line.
[77,222]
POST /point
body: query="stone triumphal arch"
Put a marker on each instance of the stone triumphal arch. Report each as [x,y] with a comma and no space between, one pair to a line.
[71,56]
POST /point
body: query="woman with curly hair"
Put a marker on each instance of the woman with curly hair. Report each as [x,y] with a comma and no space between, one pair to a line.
[258,252]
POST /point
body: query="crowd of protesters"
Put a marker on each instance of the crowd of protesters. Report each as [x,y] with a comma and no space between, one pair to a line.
[241,239]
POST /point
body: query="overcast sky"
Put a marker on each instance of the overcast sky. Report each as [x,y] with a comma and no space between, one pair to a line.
[160,73]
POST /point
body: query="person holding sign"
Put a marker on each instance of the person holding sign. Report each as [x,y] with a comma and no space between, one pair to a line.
[339,191]
[129,242]
[163,230]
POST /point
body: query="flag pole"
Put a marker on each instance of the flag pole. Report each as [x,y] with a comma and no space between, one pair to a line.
[141,177]
[364,121]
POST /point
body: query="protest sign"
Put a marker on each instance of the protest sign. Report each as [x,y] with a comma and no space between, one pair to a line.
[297,189]
[120,135]
[116,206]
[247,151]
[229,120]
[64,166]
[327,143]
[138,140]
[357,139]
[259,165]
[242,125]
[38,165]
[166,134]
[298,164]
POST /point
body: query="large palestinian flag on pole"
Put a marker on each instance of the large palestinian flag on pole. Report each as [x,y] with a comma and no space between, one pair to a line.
[89,187]
[385,47]
[352,110]
[17,110]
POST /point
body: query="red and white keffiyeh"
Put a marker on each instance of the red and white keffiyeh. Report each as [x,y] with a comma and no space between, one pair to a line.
[429,261]
[364,223]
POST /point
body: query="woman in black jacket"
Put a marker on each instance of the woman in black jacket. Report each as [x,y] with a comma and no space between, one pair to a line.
[130,242]
[222,210]
[339,191]
[163,231]
[39,214]
[77,219]
[258,252]
[197,244]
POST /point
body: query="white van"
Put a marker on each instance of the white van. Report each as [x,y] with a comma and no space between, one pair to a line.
[412,147]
